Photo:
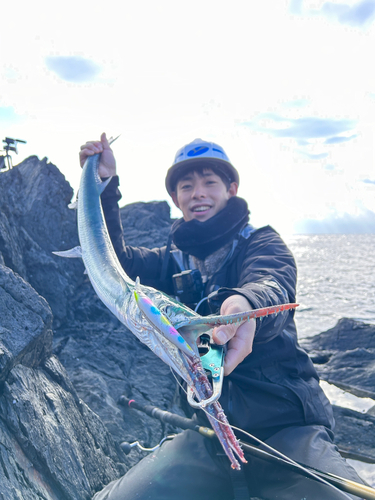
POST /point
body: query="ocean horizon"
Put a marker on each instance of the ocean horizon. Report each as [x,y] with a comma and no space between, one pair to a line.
[336,279]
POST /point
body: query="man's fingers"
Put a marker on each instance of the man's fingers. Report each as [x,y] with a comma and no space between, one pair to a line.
[104,141]
[92,148]
[221,334]
[239,346]
[233,357]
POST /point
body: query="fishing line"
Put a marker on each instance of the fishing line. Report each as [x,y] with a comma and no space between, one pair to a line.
[267,447]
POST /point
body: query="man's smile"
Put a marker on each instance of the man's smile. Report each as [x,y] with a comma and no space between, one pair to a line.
[200,208]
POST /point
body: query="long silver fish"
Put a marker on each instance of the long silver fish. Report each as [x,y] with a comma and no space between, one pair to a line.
[167,327]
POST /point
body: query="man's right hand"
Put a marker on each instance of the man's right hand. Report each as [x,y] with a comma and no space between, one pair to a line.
[107,165]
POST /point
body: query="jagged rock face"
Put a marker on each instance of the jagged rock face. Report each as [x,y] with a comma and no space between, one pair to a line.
[345,356]
[34,222]
[25,325]
[55,446]
[52,446]
[146,224]
[59,444]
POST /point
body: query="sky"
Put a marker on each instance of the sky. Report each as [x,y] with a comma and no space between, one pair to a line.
[287,88]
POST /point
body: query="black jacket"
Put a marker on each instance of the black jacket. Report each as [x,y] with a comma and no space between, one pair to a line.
[276,385]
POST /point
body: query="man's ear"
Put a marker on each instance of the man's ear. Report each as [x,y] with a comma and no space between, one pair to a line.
[174,198]
[233,188]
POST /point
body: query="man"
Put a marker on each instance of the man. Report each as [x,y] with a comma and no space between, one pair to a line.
[270,388]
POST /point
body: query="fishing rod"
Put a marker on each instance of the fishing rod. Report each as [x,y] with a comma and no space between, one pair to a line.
[345,485]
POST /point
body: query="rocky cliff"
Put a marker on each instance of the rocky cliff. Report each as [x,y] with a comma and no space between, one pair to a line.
[65,359]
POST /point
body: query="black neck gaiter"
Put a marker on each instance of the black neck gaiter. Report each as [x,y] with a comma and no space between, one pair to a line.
[201,239]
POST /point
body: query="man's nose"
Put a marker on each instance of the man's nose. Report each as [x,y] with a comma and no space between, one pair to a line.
[198,191]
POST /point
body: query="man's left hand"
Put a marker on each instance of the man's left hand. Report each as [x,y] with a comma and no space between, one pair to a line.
[239,338]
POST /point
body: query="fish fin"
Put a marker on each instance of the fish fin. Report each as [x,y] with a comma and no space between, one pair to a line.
[104,184]
[73,253]
[73,205]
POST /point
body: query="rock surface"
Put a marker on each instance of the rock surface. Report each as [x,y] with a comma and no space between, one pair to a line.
[345,356]
[34,222]
[60,424]
[41,405]
[52,445]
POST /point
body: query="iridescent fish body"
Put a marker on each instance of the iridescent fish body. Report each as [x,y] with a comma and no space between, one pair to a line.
[166,326]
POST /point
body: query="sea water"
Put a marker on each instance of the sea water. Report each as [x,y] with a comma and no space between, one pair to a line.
[336,279]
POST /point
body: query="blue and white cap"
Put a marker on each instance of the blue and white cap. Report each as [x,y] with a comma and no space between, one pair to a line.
[200,152]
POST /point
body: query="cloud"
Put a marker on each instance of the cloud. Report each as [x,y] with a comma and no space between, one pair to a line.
[313,156]
[302,142]
[368,181]
[296,103]
[302,128]
[339,139]
[362,223]
[76,69]
[8,116]
[295,6]
[358,15]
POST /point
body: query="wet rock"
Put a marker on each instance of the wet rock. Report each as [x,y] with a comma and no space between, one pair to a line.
[345,356]
[355,433]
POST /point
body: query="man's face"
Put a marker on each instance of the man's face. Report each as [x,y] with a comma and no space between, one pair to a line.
[202,196]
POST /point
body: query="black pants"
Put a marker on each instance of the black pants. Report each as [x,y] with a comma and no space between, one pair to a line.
[189,468]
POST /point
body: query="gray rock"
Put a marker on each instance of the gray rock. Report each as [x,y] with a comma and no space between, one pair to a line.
[25,324]
[105,363]
[146,224]
[345,356]
[41,405]
[34,222]
[56,440]
[355,433]
[52,445]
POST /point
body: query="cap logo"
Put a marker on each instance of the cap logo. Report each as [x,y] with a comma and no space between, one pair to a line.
[199,150]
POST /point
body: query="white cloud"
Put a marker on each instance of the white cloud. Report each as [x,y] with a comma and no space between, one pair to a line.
[76,69]
[346,223]
[353,13]
[169,76]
